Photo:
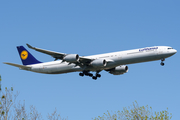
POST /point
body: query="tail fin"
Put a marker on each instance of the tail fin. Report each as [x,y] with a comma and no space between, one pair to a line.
[26,57]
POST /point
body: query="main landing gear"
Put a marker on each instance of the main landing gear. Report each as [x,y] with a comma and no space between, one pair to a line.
[96,76]
[90,74]
[162,63]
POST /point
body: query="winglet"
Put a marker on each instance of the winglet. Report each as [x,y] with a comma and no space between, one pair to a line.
[29,45]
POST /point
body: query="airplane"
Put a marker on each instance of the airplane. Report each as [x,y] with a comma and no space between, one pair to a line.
[115,63]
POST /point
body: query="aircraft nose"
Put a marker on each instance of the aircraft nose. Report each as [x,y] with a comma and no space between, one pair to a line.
[175,51]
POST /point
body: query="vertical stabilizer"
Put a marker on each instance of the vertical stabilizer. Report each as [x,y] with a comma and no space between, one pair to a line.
[26,57]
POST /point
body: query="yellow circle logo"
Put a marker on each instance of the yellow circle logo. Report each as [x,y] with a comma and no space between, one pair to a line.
[24,55]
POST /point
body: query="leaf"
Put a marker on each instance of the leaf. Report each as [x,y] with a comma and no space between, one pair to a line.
[11,88]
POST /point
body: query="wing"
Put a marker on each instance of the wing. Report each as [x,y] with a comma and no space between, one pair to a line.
[57,55]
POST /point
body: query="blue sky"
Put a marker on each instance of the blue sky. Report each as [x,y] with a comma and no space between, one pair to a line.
[88,28]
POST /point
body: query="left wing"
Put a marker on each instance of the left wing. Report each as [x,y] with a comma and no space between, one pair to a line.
[63,56]
[56,55]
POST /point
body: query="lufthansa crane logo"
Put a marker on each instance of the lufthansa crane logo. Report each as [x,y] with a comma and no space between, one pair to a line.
[24,55]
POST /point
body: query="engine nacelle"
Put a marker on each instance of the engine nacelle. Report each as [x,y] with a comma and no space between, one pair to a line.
[99,63]
[119,70]
[71,58]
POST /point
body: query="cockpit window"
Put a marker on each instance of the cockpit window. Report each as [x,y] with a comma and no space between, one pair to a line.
[170,48]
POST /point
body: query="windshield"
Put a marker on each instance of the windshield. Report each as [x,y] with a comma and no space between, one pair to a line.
[170,48]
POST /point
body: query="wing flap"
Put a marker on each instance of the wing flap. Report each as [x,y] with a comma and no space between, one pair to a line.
[85,60]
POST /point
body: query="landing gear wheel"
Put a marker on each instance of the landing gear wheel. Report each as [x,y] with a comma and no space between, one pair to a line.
[98,75]
[162,63]
[90,74]
[81,74]
[87,74]
[94,77]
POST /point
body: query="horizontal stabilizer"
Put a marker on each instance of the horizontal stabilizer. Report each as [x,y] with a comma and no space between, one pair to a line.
[17,65]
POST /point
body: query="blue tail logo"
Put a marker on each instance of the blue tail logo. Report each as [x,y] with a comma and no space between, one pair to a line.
[26,57]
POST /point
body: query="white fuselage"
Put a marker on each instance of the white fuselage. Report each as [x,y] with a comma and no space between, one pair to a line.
[114,59]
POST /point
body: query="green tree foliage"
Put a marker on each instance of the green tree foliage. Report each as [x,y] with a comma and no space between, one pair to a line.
[7,100]
[134,112]
[11,110]
[55,116]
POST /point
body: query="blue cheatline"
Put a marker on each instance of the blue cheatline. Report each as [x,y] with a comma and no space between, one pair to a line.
[26,57]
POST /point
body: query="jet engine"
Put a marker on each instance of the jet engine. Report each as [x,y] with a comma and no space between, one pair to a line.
[71,58]
[99,63]
[119,70]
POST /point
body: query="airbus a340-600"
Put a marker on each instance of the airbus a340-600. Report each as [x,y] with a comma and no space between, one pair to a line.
[115,63]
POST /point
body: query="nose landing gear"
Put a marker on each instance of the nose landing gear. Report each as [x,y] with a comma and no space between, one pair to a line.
[162,63]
